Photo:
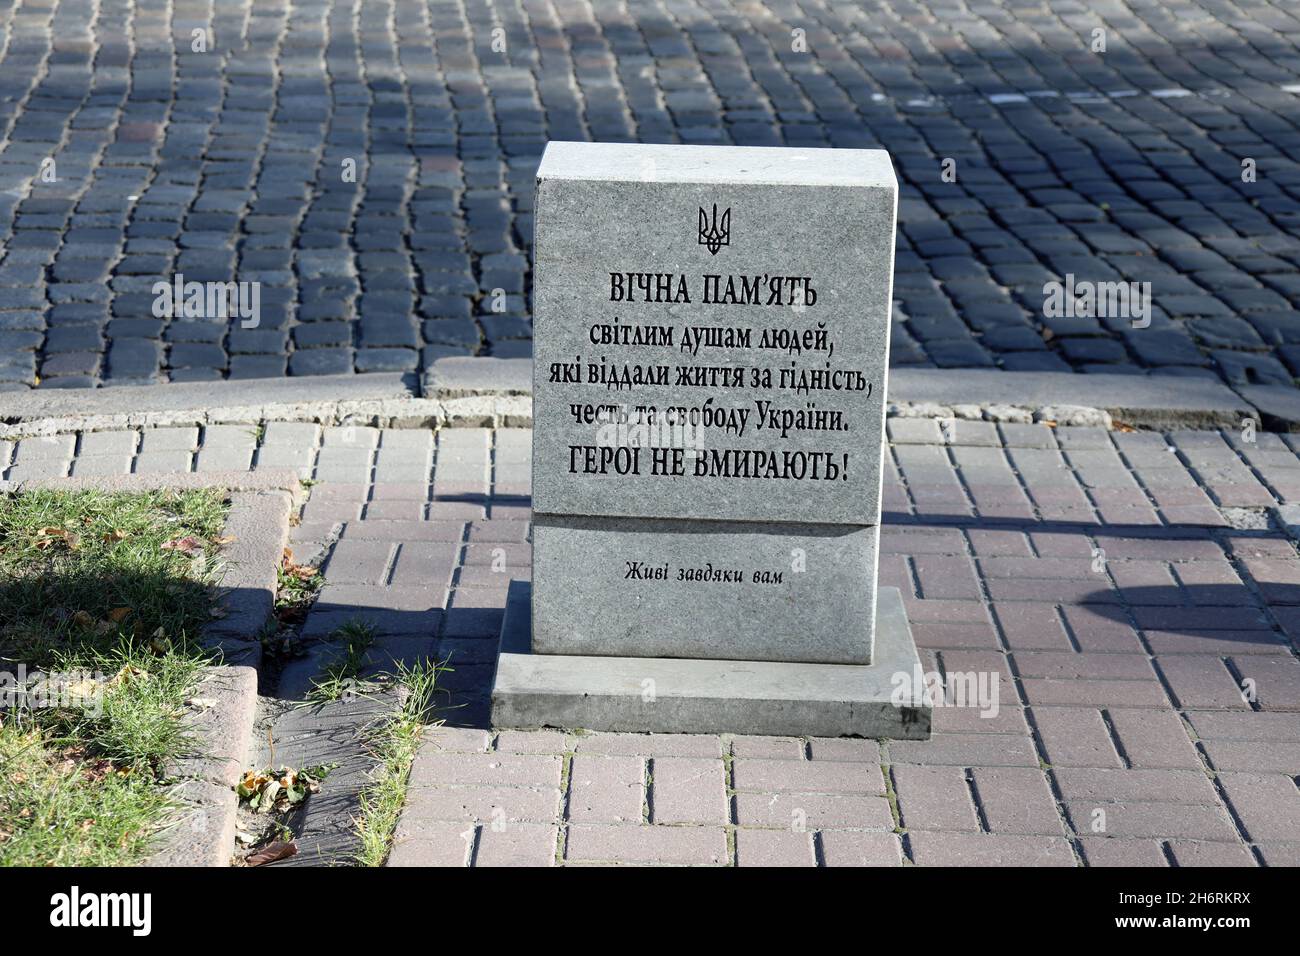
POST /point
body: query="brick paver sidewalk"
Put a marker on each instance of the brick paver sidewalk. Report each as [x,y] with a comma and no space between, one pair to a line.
[371,165]
[1122,587]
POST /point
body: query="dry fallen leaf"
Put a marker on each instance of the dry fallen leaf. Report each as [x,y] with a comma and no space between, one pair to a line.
[186,545]
[303,572]
[47,538]
[127,674]
[83,689]
[115,535]
[253,781]
[279,850]
[118,614]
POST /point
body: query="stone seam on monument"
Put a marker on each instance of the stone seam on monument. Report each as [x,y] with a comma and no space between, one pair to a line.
[711,349]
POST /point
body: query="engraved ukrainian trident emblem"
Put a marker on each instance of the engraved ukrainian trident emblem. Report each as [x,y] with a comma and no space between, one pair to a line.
[715,233]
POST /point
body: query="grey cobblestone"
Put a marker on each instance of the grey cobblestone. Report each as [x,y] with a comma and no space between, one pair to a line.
[385,204]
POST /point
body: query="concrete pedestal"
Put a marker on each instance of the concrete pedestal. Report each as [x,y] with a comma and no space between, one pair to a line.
[677,695]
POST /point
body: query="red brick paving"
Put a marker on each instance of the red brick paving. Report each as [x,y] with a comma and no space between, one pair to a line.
[1149,685]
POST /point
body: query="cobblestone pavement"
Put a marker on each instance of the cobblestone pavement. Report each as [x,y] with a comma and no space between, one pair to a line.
[1108,582]
[219,141]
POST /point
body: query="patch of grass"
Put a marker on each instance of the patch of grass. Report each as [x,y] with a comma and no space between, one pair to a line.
[342,674]
[395,742]
[296,588]
[138,725]
[83,570]
[60,808]
[111,590]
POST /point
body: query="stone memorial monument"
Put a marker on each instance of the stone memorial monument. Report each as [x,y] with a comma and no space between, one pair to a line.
[711,348]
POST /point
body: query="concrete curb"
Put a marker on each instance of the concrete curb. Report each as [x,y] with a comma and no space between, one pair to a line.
[221,719]
[224,707]
[1146,400]
[258,524]
[1278,406]
[377,400]
[460,377]
[141,400]
[1065,397]
[486,392]
[484,411]
[264,479]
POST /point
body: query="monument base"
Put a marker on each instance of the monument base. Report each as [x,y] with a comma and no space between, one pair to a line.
[678,695]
